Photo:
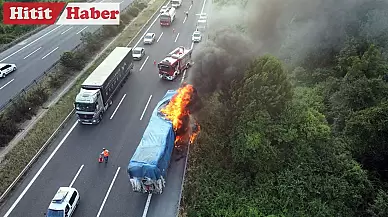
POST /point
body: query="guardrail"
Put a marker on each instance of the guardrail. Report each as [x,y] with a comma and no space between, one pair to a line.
[36,81]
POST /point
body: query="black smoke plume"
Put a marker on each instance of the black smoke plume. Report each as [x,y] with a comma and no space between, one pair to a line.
[297,31]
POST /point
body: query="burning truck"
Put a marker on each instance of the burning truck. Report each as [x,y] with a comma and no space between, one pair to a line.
[171,126]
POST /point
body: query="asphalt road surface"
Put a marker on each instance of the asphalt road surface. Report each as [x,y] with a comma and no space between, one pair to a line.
[39,52]
[105,190]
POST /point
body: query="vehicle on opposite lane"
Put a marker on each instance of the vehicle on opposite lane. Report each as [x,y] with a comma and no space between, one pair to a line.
[6,68]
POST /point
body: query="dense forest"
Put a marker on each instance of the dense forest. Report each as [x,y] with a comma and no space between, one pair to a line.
[294,113]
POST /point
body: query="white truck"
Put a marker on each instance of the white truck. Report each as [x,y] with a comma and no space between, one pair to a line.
[176,3]
[97,91]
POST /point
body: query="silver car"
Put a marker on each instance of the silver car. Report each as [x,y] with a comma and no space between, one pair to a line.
[138,53]
[149,38]
[6,68]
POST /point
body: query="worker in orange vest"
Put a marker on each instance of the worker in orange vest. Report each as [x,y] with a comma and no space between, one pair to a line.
[105,153]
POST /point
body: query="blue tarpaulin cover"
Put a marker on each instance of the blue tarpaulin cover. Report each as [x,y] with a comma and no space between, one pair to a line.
[152,156]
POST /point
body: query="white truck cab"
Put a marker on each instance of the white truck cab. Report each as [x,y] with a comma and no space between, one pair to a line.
[64,203]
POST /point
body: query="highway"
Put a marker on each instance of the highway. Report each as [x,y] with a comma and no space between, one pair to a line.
[38,53]
[71,160]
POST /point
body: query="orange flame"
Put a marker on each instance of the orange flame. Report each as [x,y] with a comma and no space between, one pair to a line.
[178,113]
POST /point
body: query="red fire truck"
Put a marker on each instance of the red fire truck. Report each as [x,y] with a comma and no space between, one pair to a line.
[167,17]
[175,63]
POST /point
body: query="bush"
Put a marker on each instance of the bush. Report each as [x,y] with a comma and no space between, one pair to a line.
[92,42]
[73,61]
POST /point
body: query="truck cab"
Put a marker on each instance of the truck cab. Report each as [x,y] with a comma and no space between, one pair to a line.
[64,203]
[89,106]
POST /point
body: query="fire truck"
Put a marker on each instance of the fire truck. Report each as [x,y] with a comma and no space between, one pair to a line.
[167,17]
[175,63]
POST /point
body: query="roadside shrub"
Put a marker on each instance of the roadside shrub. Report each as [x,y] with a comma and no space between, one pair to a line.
[72,61]
[91,41]
[134,11]
[8,129]
[110,31]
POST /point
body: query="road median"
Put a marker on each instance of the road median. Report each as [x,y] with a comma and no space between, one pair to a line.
[12,168]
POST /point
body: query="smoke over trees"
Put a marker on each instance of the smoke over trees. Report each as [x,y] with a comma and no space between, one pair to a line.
[294,110]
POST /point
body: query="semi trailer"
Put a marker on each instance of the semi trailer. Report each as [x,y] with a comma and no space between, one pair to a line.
[97,91]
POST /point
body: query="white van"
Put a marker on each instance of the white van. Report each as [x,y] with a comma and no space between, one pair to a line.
[64,202]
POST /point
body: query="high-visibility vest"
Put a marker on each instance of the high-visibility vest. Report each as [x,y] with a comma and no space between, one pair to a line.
[106,153]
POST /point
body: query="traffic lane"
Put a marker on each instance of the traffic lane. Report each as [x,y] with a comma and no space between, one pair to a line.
[123,201]
[19,188]
[81,147]
[167,203]
[37,199]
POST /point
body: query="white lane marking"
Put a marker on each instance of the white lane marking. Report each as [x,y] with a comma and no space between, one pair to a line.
[50,53]
[30,43]
[76,175]
[192,45]
[121,2]
[183,76]
[190,7]
[82,30]
[145,108]
[107,193]
[114,112]
[147,205]
[176,38]
[142,65]
[32,53]
[203,6]
[66,30]
[39,171]
[184,20]
[6,84]
[160,36]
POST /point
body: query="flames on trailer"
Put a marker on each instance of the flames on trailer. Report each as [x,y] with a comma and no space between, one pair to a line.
[179,112]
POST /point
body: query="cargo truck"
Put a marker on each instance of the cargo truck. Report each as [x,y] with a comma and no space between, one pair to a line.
[147,169]
[97,91]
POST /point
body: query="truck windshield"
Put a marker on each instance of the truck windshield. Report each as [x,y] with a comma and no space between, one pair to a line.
[165,68]
[164,18]
[175,2]
[85,107]
[55,213]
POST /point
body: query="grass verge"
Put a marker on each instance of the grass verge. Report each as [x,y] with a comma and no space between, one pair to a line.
[25,150]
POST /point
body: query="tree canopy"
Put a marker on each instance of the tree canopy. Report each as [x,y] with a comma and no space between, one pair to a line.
[296,140]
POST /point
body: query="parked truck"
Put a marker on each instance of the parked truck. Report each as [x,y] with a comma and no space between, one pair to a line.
[175,63]
[97,91]
[147,169]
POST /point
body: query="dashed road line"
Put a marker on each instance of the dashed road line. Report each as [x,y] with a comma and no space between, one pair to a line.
[32,53]
[50,53]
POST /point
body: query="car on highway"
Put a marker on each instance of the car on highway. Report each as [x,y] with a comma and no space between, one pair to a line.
[6,68]
[64,203]
[197,36]
[163,9]
[138,53]
[149,38]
